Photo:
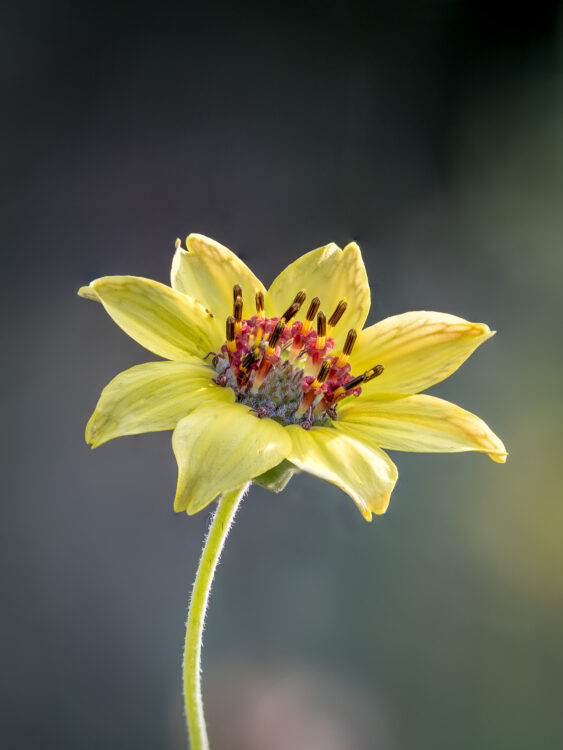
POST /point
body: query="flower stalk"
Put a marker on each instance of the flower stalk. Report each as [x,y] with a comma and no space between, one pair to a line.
[218,531]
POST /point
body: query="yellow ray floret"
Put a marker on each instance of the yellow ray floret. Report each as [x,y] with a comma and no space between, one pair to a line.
[221,446]
[417,349]
[364,472]
[418,423]
[162,320]
[207,271]
[152,397]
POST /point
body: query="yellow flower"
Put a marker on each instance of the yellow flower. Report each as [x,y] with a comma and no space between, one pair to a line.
[254,380]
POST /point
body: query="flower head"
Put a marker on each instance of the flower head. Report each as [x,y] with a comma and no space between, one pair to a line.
[255,380]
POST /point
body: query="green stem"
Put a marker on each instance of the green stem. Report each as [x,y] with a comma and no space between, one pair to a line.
[222,520]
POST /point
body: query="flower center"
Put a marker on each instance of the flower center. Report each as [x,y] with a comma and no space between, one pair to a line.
[283,369]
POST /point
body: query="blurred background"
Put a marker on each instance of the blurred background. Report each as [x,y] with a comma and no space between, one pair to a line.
[431,133]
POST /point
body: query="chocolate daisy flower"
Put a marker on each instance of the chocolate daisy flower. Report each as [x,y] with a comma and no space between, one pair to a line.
[256,382]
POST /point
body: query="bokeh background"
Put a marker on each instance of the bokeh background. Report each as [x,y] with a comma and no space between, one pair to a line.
[431,133]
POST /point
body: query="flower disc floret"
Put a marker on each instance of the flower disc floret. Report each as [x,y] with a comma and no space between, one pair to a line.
[283,370]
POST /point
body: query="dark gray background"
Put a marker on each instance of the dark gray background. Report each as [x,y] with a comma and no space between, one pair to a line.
[430,132]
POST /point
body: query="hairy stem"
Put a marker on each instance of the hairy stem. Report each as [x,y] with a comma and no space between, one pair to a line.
[220,525]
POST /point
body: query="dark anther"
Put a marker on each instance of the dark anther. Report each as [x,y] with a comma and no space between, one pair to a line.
[354,383]
[291,311]
[237,292]
[321,325]
[300,297]
[373,373]
[248,361]
[338,313]
[276,333]
[230,328]
[313,307]
[324,371]
[349,343]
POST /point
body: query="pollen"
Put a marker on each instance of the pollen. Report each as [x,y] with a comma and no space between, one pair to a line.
[283,367]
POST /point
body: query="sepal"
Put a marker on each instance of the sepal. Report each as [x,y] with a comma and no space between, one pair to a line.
[277,478]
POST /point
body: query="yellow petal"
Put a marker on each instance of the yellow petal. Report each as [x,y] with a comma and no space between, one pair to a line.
[88,293]
[417,423]
[207,272]
[163,321]
[330,274]
[364,472]
[417,350]
[152,397]
[222,446]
